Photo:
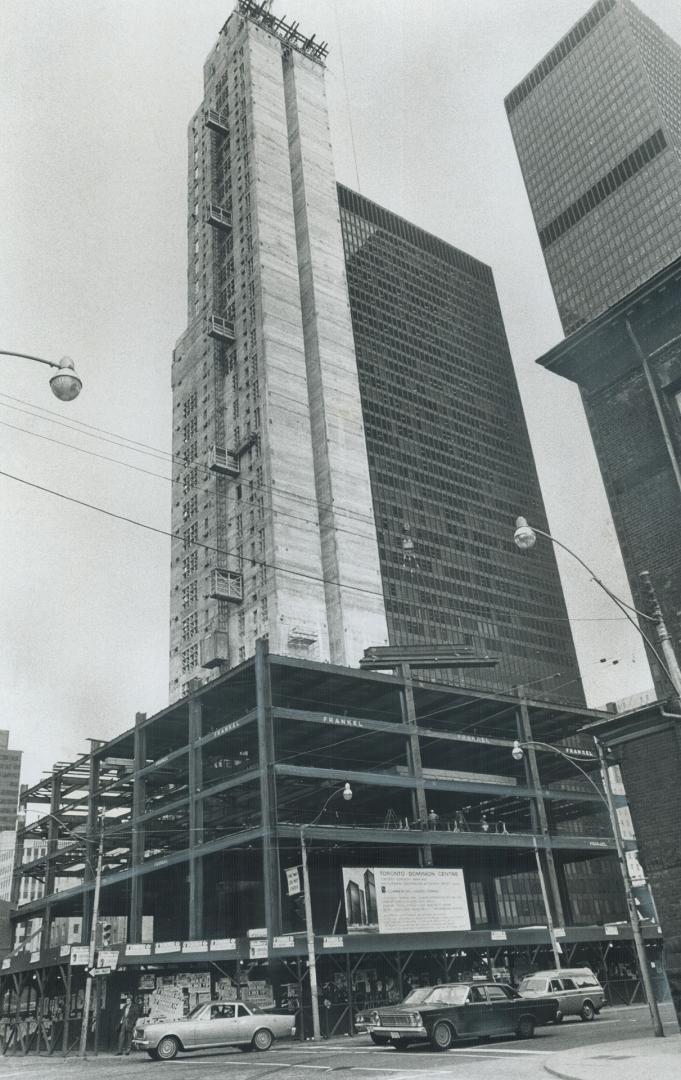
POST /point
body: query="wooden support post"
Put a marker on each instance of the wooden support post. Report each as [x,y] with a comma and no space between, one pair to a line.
[196,919]
[67,1013]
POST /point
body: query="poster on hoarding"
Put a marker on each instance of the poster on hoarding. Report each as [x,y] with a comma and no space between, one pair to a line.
[400,900]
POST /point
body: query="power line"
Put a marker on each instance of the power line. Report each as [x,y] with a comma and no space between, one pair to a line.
[157,454]
[222,551]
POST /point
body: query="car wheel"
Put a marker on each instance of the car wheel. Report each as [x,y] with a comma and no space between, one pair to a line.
[399,1044]
[263,1039]
[525,1027]
[167,1048]
[559,1017]
[442,1036]
[588,1012]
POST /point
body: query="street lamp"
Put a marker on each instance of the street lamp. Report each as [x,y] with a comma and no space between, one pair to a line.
[525,537]
[346,792]
[634,921]
[65,383]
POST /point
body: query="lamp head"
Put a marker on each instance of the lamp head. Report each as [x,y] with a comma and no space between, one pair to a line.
[524,536]
[347,793]
[517,753]
[65,384]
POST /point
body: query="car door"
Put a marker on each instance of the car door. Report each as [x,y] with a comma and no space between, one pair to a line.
[472,1015]
[571,998]
[217,1025]
[500,1015]
[556,989]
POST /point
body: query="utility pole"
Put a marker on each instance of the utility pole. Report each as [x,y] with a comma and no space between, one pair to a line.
[547,906]
[634,919]
[663,636]
[82,1052]
[309,933]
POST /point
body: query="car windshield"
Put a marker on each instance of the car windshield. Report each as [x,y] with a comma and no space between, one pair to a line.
[196,1010]
[448,995]
[533,984]
[418,995]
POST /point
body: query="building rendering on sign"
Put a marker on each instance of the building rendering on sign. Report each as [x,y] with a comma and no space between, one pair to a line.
[597,130]
[205,803]
[349,445]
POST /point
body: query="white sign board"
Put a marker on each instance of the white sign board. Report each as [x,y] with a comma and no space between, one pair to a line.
[285,942]
[80,955]
[404,900]
[166,1003]
[258,949]
[107,958]
[139,949]
[168,946]
[332,943]
[223,944]
[293,886]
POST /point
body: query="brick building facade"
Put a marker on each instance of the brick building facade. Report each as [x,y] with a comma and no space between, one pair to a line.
[647,742]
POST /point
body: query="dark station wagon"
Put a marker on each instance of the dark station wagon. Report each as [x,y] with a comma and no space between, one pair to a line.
[465,1010]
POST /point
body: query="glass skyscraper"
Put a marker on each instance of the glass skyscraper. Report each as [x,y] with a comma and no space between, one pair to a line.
[449,455]
[597,130]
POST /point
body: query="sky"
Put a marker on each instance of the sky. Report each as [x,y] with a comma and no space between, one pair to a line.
[96,96]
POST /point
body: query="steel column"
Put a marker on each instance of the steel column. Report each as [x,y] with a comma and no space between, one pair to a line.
[268,794]
[414,758]
[532,769]
[195,820]
[136,906]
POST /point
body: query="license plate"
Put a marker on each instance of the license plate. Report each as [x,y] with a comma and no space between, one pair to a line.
[394,1034]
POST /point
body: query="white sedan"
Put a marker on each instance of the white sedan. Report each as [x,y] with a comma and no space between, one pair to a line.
[221,1023]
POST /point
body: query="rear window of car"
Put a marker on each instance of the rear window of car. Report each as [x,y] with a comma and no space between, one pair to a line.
[533,984]
[568,984]
[586,980]
[448,995]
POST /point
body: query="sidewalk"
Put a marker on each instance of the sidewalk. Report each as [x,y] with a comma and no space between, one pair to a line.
[630,1060]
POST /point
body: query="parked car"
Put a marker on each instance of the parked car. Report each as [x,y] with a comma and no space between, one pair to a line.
[578,991]
[441,1014]
[369,1016]
[220,1023]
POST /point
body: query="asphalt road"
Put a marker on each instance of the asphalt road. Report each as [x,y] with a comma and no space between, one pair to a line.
[499,1058]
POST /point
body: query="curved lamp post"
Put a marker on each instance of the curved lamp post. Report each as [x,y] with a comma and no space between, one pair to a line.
[634,921]
[525,537]
[65,383]
[346,792]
